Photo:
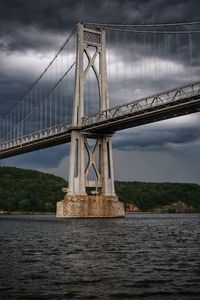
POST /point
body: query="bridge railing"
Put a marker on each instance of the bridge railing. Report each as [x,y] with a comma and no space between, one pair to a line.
[143,104]
[35,136]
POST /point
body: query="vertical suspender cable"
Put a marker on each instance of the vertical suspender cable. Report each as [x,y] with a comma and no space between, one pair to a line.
[190,53]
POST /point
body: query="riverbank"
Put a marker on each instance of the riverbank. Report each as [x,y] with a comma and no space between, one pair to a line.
[176,207]
[18,213]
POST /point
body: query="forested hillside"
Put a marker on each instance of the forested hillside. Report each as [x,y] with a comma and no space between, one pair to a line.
[27,190]
[148,196]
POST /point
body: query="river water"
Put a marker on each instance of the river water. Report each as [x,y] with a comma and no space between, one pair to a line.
[142,256]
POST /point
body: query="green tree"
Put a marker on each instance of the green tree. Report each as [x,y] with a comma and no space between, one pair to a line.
[24,205]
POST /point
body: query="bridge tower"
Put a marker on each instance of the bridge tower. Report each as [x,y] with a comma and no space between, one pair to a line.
[91,191]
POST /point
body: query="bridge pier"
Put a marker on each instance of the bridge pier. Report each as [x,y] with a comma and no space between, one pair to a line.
[90,207]
[91,191]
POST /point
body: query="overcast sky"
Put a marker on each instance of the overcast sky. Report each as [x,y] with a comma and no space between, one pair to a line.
[32,31]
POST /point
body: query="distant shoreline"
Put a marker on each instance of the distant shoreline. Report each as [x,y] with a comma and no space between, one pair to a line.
[18,213]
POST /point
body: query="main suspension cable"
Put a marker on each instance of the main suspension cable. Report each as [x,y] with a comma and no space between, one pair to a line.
[41,75]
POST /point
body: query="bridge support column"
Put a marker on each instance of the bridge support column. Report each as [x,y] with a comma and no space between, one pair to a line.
[91,191]
[91,194]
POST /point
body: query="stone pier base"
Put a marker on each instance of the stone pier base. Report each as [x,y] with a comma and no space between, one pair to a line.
[90,207]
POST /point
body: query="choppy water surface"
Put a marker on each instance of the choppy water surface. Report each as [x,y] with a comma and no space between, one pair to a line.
[139,257]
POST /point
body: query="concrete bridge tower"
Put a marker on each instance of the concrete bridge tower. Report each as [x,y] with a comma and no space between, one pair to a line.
[91,191]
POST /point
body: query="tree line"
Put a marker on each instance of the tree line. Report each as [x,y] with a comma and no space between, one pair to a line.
[33,191]
[148,195]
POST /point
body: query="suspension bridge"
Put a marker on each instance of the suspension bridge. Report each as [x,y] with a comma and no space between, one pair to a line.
[99,65]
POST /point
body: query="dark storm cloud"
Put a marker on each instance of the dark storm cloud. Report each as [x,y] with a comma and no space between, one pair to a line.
[39,159]
[11,89]
[29,37]
[59,16]
[159,138]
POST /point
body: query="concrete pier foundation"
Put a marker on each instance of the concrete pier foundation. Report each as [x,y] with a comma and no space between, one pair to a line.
[90,207]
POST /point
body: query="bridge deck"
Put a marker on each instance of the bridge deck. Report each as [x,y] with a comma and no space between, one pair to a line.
[176,102]
[144,116]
